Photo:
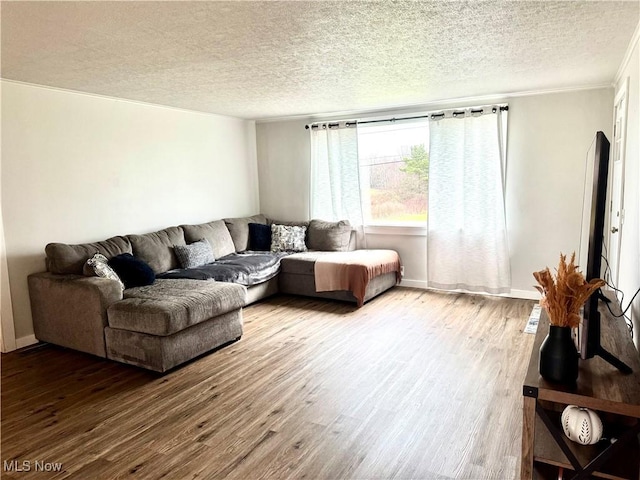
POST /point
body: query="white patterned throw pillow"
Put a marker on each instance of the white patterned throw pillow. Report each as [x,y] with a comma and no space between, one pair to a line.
[98,264]
[285,238]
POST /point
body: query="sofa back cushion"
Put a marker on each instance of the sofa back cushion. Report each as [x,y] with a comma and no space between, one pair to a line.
[329,236]
[239,230]
[156,248]
[70,259]
[216,233]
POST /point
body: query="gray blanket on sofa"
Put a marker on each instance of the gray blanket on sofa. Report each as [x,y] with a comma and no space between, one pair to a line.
[247,268]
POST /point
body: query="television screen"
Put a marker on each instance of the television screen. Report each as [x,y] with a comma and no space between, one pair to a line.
[591,246]
[593,216]
[586,206]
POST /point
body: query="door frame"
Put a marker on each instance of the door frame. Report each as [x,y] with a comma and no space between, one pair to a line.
[7,329]
[621,95]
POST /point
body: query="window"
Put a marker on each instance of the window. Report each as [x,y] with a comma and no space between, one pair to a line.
[394,172]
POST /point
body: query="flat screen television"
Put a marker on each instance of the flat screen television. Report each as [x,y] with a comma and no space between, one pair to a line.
[591,244]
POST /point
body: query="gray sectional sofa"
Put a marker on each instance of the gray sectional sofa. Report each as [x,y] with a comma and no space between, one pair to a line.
[179,316]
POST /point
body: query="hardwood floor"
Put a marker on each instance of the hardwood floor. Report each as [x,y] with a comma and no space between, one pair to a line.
[415,384]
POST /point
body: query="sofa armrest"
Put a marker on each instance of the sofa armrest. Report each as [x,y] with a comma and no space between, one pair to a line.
[71,310]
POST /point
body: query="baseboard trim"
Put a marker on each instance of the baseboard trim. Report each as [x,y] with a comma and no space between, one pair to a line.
[515,293]
[525,294]
[414,284]
[26,341]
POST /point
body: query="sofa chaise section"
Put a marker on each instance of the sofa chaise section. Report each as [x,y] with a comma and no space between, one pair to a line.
[162,325]
[298,277]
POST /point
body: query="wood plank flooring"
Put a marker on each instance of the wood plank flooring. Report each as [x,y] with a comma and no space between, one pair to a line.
[415,384]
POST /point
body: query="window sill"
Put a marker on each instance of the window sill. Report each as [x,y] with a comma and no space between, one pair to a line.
[388,229]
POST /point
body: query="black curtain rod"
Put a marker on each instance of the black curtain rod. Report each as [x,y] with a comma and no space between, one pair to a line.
[393,119]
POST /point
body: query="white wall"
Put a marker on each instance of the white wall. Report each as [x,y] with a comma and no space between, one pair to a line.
[629,272]
[549,135]
[79,168]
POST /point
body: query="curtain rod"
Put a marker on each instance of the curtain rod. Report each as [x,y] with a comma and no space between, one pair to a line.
[393,119]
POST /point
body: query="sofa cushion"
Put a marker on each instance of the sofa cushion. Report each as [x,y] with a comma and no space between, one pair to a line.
[329,236]
[288,239]
[156,248]
[169,306]
[239,230]
[259,237]
[247,268]
[216,233]
[160,353]
[65,259]
[195,254]
[301,263]
[133,271]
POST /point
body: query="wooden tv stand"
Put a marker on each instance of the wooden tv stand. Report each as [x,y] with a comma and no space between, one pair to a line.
[600,387]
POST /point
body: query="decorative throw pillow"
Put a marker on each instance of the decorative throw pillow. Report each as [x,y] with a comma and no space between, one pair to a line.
[286,238]
[133,271]
[259,237]
[98,265]
[195,254]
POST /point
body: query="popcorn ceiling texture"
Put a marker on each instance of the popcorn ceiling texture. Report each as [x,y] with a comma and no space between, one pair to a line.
[270,59]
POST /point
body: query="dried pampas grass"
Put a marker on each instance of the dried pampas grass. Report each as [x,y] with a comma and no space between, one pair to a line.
[563,295]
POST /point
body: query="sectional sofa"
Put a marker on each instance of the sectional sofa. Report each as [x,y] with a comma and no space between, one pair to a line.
[186,312]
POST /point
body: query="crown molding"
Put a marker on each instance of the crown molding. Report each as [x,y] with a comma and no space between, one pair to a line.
[435,105]
[120,99]
[635,40]
[459,102]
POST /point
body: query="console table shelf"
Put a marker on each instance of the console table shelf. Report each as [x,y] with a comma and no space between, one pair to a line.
[601,387]
[618,467]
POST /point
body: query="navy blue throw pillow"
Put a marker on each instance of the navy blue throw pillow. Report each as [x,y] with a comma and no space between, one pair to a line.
[132,271]
[259,237]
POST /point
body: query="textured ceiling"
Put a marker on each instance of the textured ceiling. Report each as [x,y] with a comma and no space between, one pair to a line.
[282,58]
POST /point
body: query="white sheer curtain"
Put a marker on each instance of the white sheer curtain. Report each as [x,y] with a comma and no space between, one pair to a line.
[467,238]
[335,181]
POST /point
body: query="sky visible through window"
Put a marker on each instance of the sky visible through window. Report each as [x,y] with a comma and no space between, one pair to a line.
[394,163]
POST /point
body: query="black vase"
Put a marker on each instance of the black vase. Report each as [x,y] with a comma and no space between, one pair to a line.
[558,356]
